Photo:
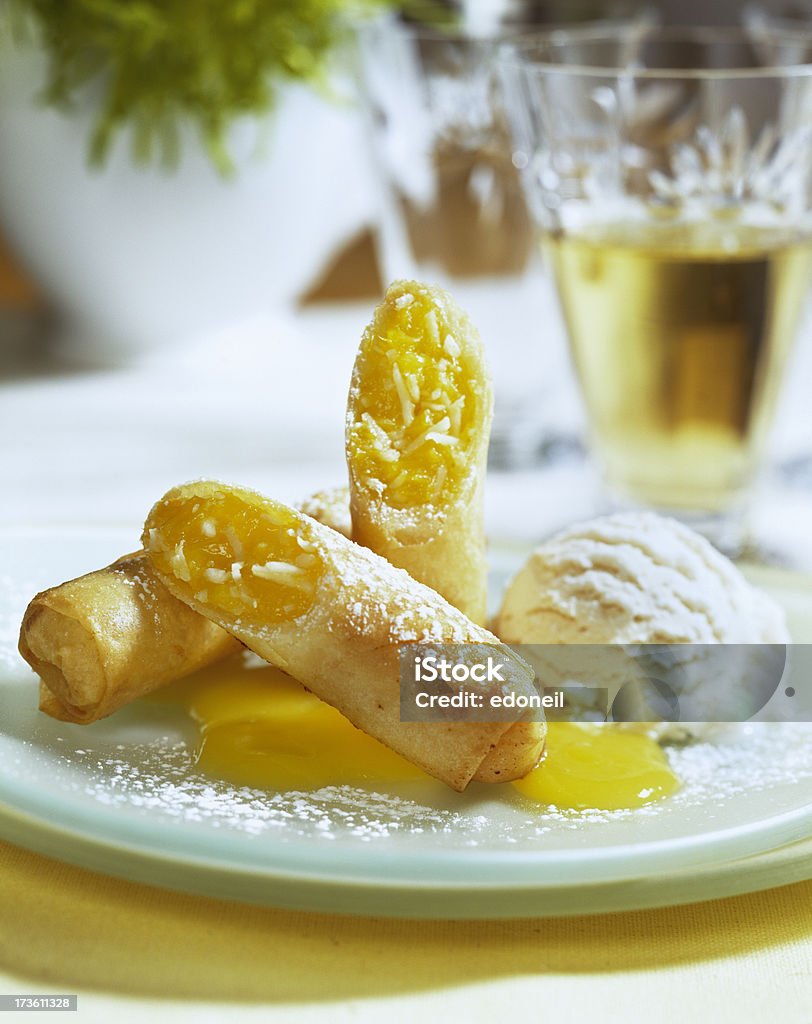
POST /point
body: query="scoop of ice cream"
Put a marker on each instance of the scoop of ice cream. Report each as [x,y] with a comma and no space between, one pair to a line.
[634,578]
[640,579]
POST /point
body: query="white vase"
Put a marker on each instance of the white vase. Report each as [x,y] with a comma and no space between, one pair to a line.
[142,257]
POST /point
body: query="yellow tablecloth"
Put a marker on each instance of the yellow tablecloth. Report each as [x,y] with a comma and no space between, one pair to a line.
[129,950]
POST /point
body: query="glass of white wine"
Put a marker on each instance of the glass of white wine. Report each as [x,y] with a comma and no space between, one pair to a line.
[670,173]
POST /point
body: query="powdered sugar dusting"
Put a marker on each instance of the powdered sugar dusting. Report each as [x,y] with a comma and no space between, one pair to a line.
[330,507]
[378,593]
[635,577]
[157,778]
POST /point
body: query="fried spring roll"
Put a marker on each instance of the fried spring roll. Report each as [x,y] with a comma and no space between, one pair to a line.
[101,641]
[418,423]
[333,615]
[330,507]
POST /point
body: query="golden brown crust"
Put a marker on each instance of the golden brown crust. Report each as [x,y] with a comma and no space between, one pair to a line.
[345,648]
[518,751]
[451,559]
[331,507]
[100,641]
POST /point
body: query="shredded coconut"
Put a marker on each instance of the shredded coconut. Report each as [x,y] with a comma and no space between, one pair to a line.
[178,563]
[234,540]
[430,321]
[215,575]
[430,434]
[406,405]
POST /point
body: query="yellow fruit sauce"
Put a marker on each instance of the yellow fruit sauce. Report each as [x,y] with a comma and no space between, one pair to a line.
[598,766]
[419,400]
[235,559]
[260,728]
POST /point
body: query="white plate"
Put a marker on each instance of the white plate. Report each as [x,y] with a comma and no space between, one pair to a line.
[123,797]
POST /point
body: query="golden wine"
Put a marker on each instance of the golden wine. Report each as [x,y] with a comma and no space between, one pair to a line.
[680,335]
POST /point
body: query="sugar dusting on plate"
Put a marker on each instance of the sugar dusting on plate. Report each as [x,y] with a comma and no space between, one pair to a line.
[158,778]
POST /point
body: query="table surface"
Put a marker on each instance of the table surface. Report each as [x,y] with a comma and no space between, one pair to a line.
[263,404]
[128,950]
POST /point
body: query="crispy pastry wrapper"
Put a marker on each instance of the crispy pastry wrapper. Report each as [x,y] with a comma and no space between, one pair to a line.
[101,641]
[345,645]
[441,541]
[330,507]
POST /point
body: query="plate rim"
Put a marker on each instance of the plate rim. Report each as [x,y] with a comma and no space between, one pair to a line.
[782,866]
[369,862]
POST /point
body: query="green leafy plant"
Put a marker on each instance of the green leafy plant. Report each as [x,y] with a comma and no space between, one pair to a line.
[159,63]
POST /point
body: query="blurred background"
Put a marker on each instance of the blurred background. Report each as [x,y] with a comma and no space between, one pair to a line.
[200,205]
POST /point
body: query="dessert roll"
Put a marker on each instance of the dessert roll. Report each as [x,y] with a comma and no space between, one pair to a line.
[418,423]
[330,507]
[331,614]
[107,638]
[100,641]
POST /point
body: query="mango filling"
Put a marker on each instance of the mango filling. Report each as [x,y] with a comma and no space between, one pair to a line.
[249,561]
[413,421]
